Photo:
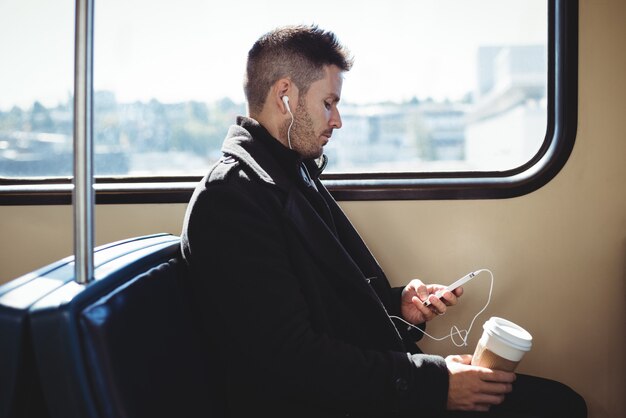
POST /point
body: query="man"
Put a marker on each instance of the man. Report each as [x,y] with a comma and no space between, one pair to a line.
[297,308]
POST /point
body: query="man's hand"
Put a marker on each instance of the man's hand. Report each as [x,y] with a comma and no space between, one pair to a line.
[474,388]
[414,295]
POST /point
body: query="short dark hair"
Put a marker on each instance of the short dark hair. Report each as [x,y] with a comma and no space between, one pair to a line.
[299,52]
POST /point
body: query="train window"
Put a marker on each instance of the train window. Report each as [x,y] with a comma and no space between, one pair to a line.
[36,83]
[447,99]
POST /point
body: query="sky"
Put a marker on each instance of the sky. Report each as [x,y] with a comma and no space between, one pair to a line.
[196,49]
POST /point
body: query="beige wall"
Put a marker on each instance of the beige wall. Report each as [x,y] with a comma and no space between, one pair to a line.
[558,254]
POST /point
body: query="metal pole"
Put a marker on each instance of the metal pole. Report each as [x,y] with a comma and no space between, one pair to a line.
[83,195]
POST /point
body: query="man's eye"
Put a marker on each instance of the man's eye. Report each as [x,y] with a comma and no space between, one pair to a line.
[327,105]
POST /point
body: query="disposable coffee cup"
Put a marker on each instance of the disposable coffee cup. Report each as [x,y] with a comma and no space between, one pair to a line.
[502,345]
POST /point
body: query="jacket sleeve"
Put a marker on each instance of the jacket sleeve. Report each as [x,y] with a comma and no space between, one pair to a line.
[235,244]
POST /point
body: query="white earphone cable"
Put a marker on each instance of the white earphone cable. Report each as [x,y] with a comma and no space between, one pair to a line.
[289,129]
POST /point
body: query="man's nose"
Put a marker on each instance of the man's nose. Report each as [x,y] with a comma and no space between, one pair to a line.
[335,120]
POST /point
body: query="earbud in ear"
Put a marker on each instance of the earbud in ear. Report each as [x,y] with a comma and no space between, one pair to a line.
[286,102]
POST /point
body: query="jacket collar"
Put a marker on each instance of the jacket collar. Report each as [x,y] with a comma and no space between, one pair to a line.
[251,144]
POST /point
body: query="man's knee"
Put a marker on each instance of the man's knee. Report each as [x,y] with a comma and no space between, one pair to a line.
[564,400]
[545,397]
[574,403]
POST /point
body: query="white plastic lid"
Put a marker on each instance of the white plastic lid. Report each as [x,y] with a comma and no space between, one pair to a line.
[509,337]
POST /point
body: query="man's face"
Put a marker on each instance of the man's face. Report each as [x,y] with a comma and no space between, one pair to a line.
[317,115]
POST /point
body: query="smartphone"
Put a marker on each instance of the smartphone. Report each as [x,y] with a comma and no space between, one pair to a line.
[453,286]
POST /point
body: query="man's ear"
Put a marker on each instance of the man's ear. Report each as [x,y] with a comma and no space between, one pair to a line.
[283,87]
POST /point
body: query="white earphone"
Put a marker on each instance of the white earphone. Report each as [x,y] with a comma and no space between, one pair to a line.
[286,102]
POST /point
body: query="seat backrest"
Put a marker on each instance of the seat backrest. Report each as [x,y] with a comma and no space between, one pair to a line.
[126,344]
[20,389]
[144,354]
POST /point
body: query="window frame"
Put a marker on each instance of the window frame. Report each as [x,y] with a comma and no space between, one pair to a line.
[562,119]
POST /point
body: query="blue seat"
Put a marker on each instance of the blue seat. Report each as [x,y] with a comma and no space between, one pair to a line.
[124,345]
[20,388]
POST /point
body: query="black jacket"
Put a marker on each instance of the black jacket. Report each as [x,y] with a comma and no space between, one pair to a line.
[296,306]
